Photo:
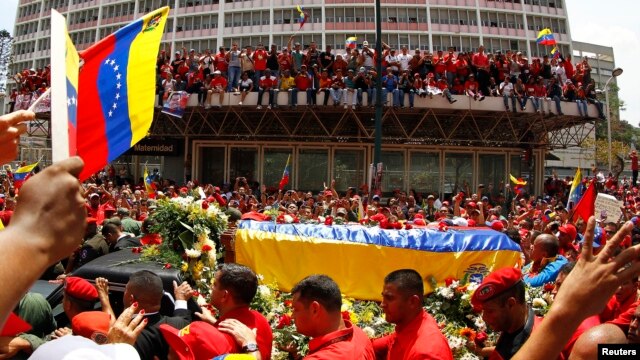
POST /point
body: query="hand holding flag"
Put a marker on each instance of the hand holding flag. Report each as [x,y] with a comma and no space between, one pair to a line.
[285,174]
[303,16]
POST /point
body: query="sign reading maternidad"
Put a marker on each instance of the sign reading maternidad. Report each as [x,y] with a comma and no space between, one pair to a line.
[608,208]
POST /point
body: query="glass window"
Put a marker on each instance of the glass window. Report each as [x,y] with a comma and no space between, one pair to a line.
[348,168]
[458,173]
[212,165]
[393,174]
[312,169]
[491,172]
[274,162]
[243,162]
[424,172]
[516,165]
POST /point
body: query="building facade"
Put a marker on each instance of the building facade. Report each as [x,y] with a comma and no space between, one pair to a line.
[435,148]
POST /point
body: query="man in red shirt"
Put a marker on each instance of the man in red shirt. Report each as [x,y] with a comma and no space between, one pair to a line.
[234,288]
[304,83]
[217,86]
[622,301]
[221,63]
[316,311]
[269,84]
[481,61]
[259,62]
[416,335]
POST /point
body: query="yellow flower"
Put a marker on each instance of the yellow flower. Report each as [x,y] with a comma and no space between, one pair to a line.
[367,316]
[354,318]
[184,267]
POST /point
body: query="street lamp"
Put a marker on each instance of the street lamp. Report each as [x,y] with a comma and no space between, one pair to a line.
[616,72]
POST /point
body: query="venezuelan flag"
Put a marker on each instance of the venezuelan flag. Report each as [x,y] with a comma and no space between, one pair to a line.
[555,53]
[545,37]
[358,257]
[64,95]
[351,42]
[117,90]
[22,174]
[147,184]
[286,173]
[303,15]
[576,190]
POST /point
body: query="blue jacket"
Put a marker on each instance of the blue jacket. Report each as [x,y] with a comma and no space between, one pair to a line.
[548,274]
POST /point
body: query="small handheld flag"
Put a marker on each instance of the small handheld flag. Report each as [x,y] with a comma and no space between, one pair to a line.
[303,16]
[285,174]
[22,174]
[148,184]
[555,53]
[545,37]
[351,42]
[576,190]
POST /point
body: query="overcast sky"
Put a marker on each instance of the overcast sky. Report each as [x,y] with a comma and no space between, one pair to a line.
[611,23]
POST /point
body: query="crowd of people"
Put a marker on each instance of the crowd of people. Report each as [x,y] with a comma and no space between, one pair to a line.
[593,266]
[345,76]
[29,85]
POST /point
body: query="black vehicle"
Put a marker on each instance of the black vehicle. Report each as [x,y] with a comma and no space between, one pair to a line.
[116,267]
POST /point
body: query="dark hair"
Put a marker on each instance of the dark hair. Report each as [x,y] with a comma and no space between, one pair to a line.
[240,281]
[109,228]
[146,286]
[408,281]
[517,291]
[320,288]
[514,235]
[566,268]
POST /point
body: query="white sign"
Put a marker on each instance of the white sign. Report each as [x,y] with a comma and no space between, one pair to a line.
[608,208]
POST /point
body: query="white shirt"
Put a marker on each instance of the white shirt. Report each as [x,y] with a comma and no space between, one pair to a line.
[506,88]
[558,70]
[404,61]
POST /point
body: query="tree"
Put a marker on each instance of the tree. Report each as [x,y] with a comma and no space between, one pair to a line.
[621,130]
[5,58]
[601,156]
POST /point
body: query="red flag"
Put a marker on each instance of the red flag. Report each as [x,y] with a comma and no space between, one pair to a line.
[587,205]
[285,175]
[14,326]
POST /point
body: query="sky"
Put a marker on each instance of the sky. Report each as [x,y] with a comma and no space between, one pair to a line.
[610,23]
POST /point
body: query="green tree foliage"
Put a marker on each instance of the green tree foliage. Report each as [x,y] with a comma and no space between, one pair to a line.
[5,57]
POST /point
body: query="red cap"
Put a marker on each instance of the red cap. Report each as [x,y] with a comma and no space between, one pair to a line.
[216,189]
[472,204]
[109,207]
[254,215]
[496,225]
[198,340]
[184,189]
[80,288]
[495,284]
[471,223]
[91,220]
[328,193]
[570,230]
[92,325]
[211,199]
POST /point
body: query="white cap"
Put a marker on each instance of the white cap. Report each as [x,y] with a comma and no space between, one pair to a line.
[365,43]
[217,72]
[73,347]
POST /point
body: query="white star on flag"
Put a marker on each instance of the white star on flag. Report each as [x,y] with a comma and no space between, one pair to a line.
[107,61]
[115,106]
[118,76]
[116,68]
[118,85]
[110,113]
[117,96]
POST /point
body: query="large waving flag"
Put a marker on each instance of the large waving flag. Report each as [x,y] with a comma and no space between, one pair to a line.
[303,16]
[576,190]
[117,90]
[286,173]
[22,174]
[64,84]
[545,37]
[586,207]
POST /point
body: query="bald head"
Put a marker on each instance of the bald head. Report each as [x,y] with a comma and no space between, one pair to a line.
[586,347]
[549,244]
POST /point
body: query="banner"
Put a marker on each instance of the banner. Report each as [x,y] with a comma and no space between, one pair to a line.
[358,257]
[176,103]
[608,208]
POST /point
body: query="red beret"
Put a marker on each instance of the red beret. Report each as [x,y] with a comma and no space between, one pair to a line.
[92,325]
[80,288]
[471,223]
[570,230]
[184,189]
[198,340]
[496,225]
[495,284]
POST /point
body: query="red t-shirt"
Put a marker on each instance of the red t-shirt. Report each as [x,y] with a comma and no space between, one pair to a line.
[302,82]
[349,343]
[268,82]
[480,60]
[260,60]
[253,320]
[221,63]
[284,61]
[471,85]
[634,162]
[440,66]
[97,213]
[587,324]
[450,63]
[615,308]
[420,339]
[625,318]
[219,82]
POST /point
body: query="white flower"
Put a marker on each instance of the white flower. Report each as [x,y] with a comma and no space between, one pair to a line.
[455,342]
[288,219]
[539,303]
[469,356]
[264,290]
[369,331]
[321,219]
[260,277]
[454,284]
[193,253]
[446,292]
[480,324]
[466,296]
[472,286]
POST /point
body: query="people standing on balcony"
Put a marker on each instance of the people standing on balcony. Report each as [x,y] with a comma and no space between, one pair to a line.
[581,100]
[327,59]
[208,62]
[439,66]
[361,84]
[416,64]
[393,62]
[177,61]
[481,62]
[192,60]
[583,71]
[222,64]
[313,55]
[268,83]
[558,71]
[404,58]
[246,63]
[569,70]
[462,67]
[260,61]
[245,86]
[593,99]
[367,56]
[554,93]
[272,61]
[507,92]
[353,59]
[514,67]
[339,63]
[450,66]
[337,88]
[285,62]
[234,66]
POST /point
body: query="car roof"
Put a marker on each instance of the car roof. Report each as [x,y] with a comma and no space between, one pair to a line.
[118,266]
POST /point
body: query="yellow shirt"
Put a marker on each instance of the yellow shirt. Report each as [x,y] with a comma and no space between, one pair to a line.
[287,83]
